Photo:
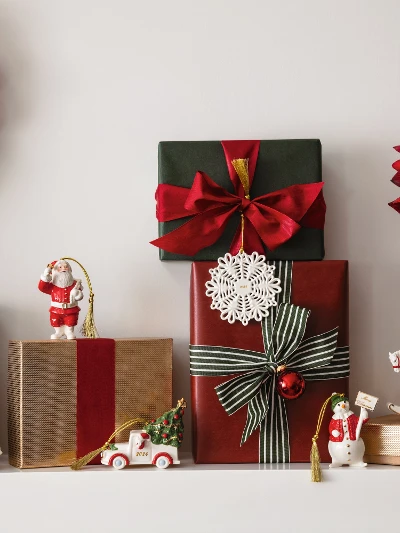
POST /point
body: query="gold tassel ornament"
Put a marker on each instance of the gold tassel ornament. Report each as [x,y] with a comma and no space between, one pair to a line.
[316,473]
[242,170]
[88,328]
[315,459]
[83,461]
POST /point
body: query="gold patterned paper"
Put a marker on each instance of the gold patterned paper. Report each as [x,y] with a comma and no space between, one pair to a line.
[381,436]
[41,395]
[143,380]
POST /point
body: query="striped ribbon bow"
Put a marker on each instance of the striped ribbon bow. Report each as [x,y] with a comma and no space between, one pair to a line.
[317,358]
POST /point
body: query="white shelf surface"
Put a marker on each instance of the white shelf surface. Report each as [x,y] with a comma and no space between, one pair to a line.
[193,498]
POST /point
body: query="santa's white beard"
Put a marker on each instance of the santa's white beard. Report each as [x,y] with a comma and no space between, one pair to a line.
[62,279]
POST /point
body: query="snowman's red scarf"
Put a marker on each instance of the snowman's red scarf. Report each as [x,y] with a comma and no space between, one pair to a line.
[317,358]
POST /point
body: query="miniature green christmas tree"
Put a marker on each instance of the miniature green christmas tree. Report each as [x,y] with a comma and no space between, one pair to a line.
[168,428]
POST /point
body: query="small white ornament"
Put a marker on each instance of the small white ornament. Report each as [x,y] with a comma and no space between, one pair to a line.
[140,451]
[243,287]
[345,446]
[395,360]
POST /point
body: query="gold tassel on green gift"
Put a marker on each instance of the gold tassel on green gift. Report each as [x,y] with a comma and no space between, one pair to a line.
[88,328]
[315,459]
[241,167]
[242,170]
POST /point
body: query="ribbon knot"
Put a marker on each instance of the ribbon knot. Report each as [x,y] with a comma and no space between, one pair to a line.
[246,202]
[270,369]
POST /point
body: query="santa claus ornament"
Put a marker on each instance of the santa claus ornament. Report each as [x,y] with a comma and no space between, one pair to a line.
[345,446]
[243,286]
[66,291]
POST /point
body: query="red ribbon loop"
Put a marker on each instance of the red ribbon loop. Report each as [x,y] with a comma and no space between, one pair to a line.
[271,219]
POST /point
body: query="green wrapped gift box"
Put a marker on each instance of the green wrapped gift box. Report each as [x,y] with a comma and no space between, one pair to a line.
[280,164]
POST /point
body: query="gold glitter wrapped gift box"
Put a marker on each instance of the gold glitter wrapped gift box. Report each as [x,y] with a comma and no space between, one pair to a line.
[65,398]
[381,436]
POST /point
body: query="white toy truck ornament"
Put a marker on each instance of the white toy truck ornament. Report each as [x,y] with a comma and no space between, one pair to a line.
[156,443]
[140,450]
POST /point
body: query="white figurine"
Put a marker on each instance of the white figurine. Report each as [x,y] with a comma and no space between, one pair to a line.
[346,447]
[139,451]
[65,292]
[395,360]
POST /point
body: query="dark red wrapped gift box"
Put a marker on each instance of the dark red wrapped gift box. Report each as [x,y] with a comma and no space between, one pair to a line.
[321,287]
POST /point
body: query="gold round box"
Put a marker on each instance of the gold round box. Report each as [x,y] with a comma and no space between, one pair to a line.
[381,436]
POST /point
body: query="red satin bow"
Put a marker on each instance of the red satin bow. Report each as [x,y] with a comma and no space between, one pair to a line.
[271,219]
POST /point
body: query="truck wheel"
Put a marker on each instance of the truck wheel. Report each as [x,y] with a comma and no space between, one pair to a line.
[119,462]
[162,461]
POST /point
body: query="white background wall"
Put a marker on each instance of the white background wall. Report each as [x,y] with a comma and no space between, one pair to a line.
[88,89]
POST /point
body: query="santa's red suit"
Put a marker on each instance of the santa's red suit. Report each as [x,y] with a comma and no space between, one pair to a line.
[63,311]
[346,427]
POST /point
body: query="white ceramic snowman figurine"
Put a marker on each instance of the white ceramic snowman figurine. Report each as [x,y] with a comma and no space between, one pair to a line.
[345,445]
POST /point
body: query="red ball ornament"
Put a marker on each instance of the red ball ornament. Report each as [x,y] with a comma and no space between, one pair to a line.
[182,412]
[165,422]
[165,435]
[152,421]
[290,384]
[180,435]
[176,417]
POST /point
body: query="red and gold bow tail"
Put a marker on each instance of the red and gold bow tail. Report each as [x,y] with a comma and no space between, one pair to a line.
[272,218]
[88,328]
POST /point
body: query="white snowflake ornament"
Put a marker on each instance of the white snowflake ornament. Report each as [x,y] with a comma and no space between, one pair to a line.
[243,287]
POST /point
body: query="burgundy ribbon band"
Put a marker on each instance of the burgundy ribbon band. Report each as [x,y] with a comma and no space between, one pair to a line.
[271,219]
[95,401]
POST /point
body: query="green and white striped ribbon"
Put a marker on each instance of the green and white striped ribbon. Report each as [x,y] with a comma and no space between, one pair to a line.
[317,358]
